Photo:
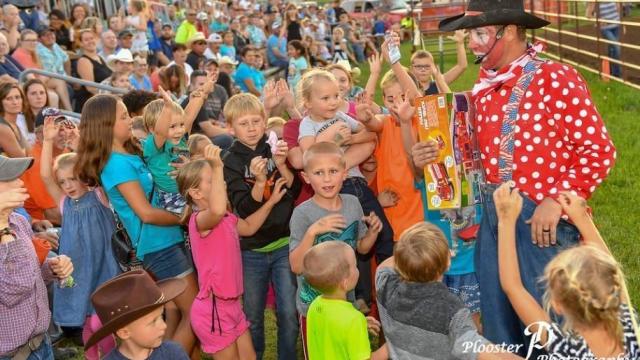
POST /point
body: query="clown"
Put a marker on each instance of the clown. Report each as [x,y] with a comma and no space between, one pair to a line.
[538,127]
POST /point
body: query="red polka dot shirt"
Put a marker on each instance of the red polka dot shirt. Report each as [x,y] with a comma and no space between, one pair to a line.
[560,141]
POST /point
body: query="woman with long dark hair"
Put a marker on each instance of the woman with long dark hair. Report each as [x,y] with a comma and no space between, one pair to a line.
[13,141]
[108,156]
[36,99]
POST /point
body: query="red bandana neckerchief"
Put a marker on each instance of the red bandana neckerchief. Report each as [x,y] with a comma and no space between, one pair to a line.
[490,79]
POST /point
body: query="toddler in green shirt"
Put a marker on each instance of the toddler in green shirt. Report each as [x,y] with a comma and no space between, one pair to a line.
[336,330]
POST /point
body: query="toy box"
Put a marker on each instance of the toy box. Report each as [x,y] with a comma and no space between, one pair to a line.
[453,180]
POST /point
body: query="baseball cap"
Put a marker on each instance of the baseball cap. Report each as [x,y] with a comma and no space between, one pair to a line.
[215,37]
[124,33]
[45,113]
[13,168]
[43,29]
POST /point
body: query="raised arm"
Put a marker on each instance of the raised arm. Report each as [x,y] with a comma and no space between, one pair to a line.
[576,208]
[462,64]
[441,82]
[401,73]
[508,206]
[375,69]
[409,137]
[49,132]
[209,218]
[197,99]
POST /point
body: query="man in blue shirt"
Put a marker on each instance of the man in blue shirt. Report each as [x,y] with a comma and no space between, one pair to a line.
[52,57]
[277,48]
[165,55]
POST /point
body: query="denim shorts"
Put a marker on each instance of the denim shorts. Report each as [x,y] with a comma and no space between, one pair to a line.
[466,287]
[172,262]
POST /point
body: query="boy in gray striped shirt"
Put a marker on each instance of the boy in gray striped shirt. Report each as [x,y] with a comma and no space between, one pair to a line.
[420,318]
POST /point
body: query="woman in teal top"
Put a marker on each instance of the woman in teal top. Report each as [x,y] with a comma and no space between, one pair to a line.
[107,156]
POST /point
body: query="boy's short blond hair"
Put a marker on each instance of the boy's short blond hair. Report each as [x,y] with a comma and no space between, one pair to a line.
[322,148]
[389,79]
[422,253]
[326,265]
[243,104]
[275,121]
[153,110]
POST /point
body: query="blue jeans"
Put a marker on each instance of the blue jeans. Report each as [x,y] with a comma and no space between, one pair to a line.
[260,269]
[500,323]
[43,352]
[613,34]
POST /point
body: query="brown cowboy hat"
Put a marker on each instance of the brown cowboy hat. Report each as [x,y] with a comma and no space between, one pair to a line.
[493,12]
[128,297]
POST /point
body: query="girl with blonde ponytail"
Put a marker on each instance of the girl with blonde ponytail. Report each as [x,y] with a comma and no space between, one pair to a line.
[585,285]
[215,244]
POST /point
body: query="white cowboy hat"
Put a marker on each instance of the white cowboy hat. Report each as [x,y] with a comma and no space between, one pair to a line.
[196,37]
[123,55]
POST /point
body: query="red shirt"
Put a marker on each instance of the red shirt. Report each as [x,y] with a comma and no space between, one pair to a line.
[561,142]
[290,132]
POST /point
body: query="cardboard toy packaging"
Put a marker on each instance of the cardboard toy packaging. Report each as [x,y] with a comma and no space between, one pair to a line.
[453,180]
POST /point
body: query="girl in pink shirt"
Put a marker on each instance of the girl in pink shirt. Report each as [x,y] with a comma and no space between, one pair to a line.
[217,318]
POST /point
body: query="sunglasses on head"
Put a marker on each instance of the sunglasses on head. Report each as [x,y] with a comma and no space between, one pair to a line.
[64,122]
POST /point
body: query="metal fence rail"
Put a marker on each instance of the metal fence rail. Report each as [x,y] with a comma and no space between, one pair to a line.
[578,40]
[71,80]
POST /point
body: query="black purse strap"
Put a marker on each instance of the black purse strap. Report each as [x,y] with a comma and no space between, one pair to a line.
[119,223]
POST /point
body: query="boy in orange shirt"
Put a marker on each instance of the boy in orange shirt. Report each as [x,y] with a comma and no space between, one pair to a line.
[395,175]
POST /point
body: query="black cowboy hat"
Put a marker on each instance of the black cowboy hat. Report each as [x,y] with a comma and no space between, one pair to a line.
[493,12]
